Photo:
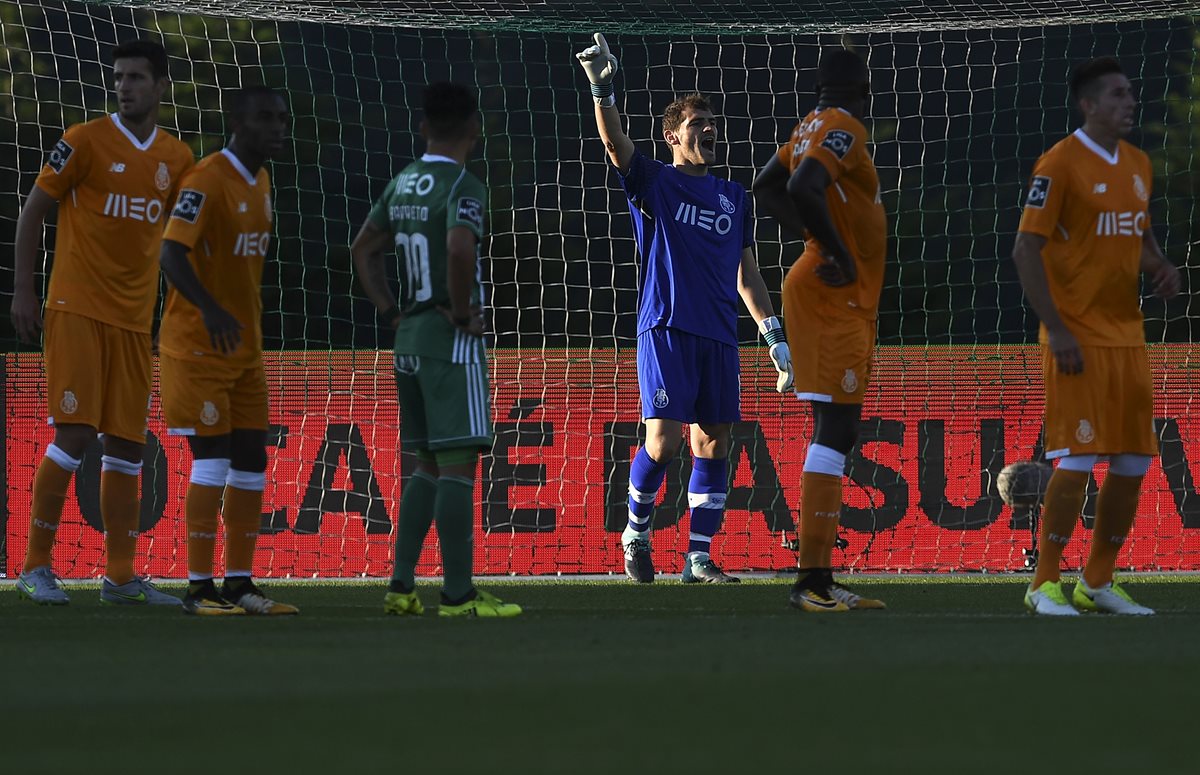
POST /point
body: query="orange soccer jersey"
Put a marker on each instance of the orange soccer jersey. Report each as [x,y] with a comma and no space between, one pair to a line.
[113,193]
[224,216]
[838,141]
[1092,209]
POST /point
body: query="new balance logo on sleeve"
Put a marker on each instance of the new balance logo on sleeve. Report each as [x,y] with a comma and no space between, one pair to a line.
[708,220]
[1125,224]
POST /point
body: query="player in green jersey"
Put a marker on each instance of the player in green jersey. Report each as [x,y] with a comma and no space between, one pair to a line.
[432,213]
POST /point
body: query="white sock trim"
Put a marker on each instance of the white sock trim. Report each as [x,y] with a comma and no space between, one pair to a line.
[707,500]
[1081,463]
[210,472]
[246,480]
[1127,464]
[642,497]
[824,460]
[62,459]
[120,465]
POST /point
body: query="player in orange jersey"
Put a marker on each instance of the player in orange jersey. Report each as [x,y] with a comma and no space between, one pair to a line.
[823,184]
[114,179]
[1084,238]
[214,388]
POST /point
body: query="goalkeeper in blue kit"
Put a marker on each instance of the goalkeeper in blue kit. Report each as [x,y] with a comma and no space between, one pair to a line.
[695,236]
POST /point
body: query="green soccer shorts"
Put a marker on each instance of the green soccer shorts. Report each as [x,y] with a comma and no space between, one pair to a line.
[443,405]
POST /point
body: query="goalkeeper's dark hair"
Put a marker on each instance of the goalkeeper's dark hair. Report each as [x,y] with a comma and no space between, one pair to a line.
[237,102]
[448,110]
[1085,76]
[841,70]
[144,49]
[673,115]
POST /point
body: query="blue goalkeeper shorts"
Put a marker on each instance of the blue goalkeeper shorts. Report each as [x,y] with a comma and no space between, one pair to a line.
[688,378]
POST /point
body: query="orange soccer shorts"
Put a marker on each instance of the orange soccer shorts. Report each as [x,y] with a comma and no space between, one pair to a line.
[212,398]
[831,349]
[97,375]
[1108,409]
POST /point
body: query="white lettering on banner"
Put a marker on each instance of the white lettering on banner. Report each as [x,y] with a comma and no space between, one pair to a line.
[135,208]
[250,244]
[1126,224]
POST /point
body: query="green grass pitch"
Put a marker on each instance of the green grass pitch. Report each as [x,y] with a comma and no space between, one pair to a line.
[607,677]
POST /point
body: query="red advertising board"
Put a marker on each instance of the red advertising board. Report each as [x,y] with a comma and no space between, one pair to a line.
[939,424]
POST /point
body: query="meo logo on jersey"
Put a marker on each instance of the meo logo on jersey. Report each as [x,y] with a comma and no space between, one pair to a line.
[136,208]
[252,243]
[1039,189]
[58,157]
[705,219]
[188,206]
[1125,224]
[471,211]
[838,141]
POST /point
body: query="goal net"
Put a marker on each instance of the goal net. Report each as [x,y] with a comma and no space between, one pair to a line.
[966,95]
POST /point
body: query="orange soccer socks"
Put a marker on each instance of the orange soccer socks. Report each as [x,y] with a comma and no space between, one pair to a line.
[1062,506]
[49,494]
[243,520]
[120,506]
[820,507]
[1116,509]
[201,509]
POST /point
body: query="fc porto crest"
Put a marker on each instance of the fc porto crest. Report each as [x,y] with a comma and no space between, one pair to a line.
[69,404]
[850,381]
[209,414]
[660,399]
[1139,188]
[162,178]
[1085,434]
[726,205]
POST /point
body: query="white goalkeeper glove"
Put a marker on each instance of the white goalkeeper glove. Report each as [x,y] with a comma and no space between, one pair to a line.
[781,355]
[600,66]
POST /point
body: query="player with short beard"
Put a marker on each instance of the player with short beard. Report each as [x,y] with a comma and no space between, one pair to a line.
[114,179]
[695,234]
[1085,236]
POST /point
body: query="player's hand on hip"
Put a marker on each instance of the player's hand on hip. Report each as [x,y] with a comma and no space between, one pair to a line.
[1167,281]
[598,62]
[224,330]
[473,324]
[837,269]
[26,314]
[1066,351]
[781,356]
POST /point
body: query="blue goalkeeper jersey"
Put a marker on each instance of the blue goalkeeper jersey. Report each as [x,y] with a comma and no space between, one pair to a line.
[690,232]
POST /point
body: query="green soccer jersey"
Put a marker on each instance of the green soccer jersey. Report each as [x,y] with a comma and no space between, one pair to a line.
[419,206]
